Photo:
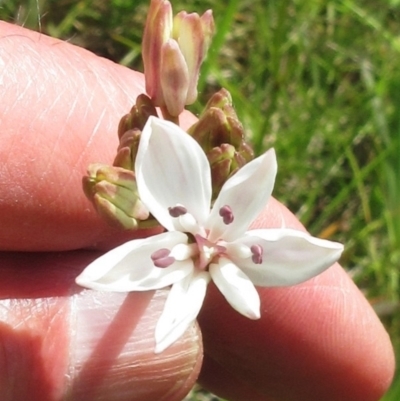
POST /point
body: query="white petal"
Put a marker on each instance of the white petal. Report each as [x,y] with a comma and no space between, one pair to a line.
[129,267]
[181,309]
[171,169]
[246,193]
[236,287]
[163,277]
[289,256]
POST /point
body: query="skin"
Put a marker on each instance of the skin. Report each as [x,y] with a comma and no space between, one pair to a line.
[60,106]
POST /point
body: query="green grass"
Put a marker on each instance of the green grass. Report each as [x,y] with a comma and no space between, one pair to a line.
[320,81]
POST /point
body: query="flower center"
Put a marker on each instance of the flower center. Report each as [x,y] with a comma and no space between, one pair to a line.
[201,249]
[207,252]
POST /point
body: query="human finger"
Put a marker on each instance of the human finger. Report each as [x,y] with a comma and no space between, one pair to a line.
[61,106]
[61,343]
[317,340]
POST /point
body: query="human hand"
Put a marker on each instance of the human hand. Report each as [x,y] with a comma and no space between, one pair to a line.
[60,110]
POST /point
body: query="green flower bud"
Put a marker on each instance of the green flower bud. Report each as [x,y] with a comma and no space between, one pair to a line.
[222,100]
[221,135]
[113,192]
[218,123]
[224,162]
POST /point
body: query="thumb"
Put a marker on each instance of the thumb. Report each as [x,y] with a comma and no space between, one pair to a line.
[62,343]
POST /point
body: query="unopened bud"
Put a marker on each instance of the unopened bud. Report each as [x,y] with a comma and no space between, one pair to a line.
[138,115]
[218,123]
[222,100]
[113,192]
[213,129]
[224,162]
[173,50]
[221,135]
[174,78]
[127,149]
[193,34]
[129,130]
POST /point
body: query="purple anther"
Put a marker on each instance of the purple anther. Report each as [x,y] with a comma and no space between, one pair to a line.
[257,252]
[177,211]
[160,254]
[226,213]
[161,258]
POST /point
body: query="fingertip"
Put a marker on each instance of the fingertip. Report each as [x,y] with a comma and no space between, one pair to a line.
[317,340]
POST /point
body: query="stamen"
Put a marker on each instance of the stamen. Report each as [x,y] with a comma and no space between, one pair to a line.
[257,252]
[186,220]
[160,253]
[226,213]
[177,211]
[238,250]
[188,223]
[161,258]
[166,262]
[184,251]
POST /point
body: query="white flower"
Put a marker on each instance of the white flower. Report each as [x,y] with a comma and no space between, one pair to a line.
[204,241]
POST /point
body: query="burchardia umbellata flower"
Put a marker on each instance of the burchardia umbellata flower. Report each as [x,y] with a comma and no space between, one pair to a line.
[204,242]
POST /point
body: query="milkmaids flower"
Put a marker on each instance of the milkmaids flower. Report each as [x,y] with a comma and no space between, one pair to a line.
[204,242]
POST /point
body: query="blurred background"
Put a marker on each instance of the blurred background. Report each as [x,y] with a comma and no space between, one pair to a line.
[319,81]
